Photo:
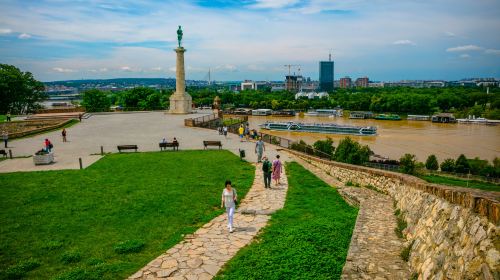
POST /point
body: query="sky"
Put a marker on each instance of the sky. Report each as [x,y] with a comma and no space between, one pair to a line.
[252,39]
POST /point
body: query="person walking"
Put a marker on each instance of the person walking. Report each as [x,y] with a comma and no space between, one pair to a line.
[259,149]
[277,170]
[48,145]
[8,117]
[241,130]
[247,132]
[224,129]
[229,199]
[5,137]
[267,170]
[63,133]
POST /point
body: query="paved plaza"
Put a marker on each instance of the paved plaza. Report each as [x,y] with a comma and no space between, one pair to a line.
[145,129]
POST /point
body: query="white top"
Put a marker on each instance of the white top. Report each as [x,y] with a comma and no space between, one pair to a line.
[228,197]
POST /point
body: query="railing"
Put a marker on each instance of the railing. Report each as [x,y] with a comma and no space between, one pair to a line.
[390,167]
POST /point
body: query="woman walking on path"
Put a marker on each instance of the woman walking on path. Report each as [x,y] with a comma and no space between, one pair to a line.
[5,137]
[64,134]
[229,198]
[277,170]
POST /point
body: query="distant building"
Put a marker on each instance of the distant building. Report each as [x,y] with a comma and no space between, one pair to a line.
[345,82]
[277,86]
[326,74]
[311,95]
[247,84]
[293,83]
[362,82]
[376,84]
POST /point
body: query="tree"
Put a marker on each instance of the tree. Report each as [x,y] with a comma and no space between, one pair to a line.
[448,165]
[19,91]
[462,164]
[324,148]
[95,100]
[432,163]
[350,151]
[408,163]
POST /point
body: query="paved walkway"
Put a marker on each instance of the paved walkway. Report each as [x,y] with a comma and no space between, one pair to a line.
[145,129]
[375,248]
[202,254]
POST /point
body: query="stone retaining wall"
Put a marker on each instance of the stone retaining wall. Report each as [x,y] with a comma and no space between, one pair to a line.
[454,231]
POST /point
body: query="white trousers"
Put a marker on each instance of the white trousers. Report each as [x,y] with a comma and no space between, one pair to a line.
[230,215]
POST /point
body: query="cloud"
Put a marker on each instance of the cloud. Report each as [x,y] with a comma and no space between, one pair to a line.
[157,68]
[465,48]
[5,31]
[24,36]
[492,51]
[63,70]
[227,67]
[172,69]
[465,55]
[126,68]
[404,42]
[273,4]
[450,34]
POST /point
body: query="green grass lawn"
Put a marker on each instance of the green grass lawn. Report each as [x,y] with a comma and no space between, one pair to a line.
[460,182]
[109,220]
[3,118]
[307,239]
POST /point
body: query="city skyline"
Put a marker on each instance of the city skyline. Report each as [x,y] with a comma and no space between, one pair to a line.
[238,40]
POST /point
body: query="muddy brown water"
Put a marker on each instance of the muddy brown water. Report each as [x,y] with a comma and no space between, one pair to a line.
[395,138]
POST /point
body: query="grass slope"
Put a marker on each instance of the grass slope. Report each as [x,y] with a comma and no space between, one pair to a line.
[307,239]
[461,183]
[109,220]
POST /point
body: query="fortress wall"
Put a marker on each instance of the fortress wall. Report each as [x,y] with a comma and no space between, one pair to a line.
[454,231]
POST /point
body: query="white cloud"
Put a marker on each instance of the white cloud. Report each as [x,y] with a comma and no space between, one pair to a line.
[5,31]
[157,68]
[63,70]
[24,36]
[126,68]
[172,69]
[464,55]
[404,42]
[227,67]
[273,4]
[465,48]
[450,34]
[492,51]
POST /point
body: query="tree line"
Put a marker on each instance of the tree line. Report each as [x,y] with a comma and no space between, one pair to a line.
[462,101]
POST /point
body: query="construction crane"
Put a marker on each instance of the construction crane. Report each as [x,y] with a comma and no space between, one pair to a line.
[290,66]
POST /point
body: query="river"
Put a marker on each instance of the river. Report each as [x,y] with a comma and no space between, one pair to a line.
[395,138]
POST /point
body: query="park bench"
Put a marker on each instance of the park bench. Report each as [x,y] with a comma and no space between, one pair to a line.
[126,147]
[165,145]
[212,143]
[3,152]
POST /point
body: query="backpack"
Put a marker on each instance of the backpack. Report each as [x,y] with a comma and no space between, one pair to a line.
[266,166]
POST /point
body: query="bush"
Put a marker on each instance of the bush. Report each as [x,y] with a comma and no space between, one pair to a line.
[71,257]
[129,246]
[95,100]
[324,148]
[302,146]
[432,163]
[462,165]
[448,165]
[408,164]
[350,151]
[19,270]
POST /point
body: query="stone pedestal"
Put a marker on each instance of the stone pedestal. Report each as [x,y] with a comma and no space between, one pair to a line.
[180,101]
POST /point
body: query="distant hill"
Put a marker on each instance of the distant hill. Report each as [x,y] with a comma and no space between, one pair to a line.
[117,81]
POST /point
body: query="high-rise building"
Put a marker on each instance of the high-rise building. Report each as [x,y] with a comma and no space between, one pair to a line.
[345,82]
[362,82]
[326,74]
[293,83]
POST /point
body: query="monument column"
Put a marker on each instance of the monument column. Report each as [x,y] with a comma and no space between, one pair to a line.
[180,101]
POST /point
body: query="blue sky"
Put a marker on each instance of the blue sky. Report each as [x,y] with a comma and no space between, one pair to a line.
[252,39]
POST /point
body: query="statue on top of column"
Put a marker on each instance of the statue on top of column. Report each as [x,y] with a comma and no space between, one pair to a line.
[179,35]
